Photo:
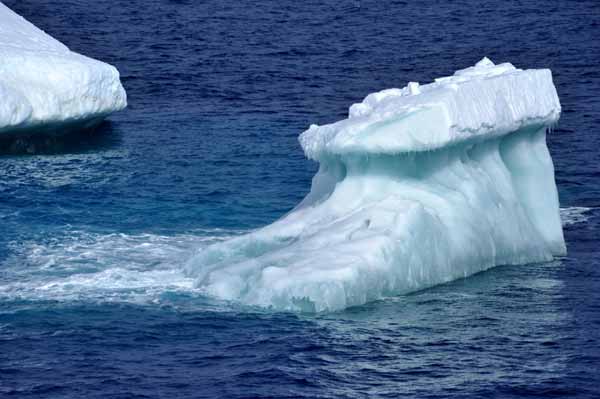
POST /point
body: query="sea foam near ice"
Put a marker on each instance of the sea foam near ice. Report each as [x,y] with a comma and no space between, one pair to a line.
[574,215]
[418,186]
[113,267]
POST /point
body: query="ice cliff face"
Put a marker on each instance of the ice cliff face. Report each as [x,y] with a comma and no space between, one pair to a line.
[45,85]
[419,186]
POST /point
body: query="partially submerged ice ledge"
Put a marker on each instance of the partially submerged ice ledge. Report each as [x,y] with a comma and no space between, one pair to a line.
[44,86]
[419,186]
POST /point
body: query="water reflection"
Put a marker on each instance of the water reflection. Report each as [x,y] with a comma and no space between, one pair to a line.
[104,136]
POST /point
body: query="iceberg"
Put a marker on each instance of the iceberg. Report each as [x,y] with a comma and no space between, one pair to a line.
[417,187]
[45,87]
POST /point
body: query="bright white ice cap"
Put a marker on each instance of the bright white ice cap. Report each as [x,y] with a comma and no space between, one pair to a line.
[483,100]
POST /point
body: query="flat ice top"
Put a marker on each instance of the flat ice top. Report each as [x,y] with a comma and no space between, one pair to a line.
[43,83]
[483,100]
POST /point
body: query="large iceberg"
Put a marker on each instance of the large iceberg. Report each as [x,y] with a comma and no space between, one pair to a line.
[45,87]
[419,186]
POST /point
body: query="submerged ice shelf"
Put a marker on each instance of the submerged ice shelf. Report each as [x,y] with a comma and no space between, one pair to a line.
[45,87]
[419,186]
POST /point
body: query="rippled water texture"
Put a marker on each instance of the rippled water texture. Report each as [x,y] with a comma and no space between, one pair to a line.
[94,232]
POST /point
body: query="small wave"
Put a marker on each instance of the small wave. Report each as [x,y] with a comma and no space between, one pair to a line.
[574,215]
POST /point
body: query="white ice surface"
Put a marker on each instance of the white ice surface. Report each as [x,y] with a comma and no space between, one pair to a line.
[476,103]
[419,186]
[43,83]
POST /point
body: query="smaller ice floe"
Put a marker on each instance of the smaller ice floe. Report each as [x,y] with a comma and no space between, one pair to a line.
[45,87]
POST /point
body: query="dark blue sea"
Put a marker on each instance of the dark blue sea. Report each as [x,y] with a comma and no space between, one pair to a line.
[95,229]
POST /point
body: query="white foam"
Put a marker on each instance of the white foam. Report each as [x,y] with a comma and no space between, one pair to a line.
[109,267]
[44,84]
[574,215]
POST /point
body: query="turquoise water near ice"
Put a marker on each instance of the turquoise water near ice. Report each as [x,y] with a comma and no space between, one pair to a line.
[95,230]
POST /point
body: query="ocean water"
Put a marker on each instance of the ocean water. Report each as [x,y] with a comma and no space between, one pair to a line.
[95,229]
